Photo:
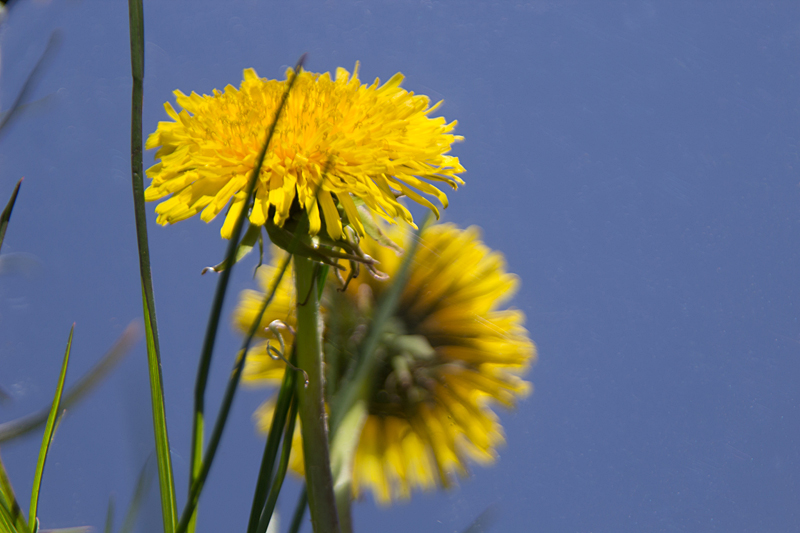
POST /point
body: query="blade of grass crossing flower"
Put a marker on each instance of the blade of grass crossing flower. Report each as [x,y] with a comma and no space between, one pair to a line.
[282,404]
[166,483]
[47,438]
[6,216]
[219,297]
[233,382]
[8,502]
[280,475]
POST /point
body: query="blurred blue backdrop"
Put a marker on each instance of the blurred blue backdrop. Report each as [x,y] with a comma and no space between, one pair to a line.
[637,162]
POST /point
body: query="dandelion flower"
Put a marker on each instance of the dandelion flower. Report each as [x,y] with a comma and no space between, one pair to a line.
[449,355]
[339,144]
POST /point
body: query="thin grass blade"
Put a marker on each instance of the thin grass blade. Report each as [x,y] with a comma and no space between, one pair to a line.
[285,397]
[299,512]
[9,501]
[280,475]
[166,483]
[197,459]
[47,439]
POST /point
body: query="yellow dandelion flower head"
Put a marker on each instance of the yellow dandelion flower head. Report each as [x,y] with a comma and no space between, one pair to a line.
[338,144]
[451,354]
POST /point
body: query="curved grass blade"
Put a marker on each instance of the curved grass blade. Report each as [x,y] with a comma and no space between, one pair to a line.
[6,216]
[90,380]
[198,423]
[47,438]
[166,483]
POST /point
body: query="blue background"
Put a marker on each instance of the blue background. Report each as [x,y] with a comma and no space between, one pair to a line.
[638,163]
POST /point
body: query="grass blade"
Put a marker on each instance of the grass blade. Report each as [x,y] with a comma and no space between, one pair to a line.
[280,475]
[47,438]
[90,380]
[8,503]
[166,483]
[6,216]
[282,405]
[219,297]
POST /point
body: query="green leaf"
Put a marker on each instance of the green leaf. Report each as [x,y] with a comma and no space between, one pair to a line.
[6,216]
[166,484]
[47,438]
[280,475]
[9,507]
[199,464]
[282,405]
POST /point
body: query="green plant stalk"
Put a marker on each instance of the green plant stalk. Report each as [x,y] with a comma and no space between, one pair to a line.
[280,475]
[319,481]
[219,297]
[271,448]
[47,438]
[166,483]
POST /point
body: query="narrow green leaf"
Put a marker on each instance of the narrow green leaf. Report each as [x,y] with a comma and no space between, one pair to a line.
[47,438]
[280,475]
[82,387]
[166,484]
[227,401]
[8,499]
[282,405]
[197,460]
[6,216]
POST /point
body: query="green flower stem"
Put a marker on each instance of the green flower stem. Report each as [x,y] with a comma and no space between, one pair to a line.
[169,509]
[319,481]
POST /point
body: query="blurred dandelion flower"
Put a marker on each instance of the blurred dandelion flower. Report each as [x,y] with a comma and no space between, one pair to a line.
[449,353]
[377,142]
